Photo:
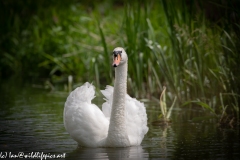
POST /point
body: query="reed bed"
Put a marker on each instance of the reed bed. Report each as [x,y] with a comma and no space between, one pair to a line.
[168,44]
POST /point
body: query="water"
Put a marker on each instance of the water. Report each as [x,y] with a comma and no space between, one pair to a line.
[31,122]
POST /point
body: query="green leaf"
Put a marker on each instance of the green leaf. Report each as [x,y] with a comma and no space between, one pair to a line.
[204,105]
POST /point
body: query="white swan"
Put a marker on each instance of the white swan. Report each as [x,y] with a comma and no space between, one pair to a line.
[122,121]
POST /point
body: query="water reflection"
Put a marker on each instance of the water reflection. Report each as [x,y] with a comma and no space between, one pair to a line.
[109,153]
[31,121]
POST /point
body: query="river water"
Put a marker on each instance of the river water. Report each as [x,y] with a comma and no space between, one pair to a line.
[31,123]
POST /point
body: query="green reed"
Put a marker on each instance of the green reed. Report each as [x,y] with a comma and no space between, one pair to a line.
[167,45]
[180,51]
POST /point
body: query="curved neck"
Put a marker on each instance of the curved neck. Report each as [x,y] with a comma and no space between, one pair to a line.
[117,127]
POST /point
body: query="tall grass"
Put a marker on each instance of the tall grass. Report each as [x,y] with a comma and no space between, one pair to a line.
[168,44]
[183,52]
[171,52]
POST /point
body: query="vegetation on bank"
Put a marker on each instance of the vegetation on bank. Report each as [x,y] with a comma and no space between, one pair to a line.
[169,43]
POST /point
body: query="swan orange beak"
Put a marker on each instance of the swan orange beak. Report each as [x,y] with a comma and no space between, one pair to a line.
[116,60]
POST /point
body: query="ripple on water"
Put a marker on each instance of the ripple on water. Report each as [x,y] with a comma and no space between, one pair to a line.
[36,124]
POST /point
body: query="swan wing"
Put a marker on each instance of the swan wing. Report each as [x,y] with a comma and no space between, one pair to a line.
[84,121]
[136,117]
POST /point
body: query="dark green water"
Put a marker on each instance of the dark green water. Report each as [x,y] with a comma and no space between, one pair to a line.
[31,121]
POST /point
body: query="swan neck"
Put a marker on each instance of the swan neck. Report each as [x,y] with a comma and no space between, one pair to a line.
[120,90]
[121,78]
[117,127]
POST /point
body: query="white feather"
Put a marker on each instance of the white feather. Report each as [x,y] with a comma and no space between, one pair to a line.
[136,117]
[122,121]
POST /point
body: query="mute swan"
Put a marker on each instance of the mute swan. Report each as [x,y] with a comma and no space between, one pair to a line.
[122,121]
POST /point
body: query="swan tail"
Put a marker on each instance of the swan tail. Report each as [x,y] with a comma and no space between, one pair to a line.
[83,120]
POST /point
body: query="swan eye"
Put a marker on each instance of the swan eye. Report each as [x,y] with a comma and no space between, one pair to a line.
[115,53]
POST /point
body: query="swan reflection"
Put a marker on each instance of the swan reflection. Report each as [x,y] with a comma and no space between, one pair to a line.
[135,152]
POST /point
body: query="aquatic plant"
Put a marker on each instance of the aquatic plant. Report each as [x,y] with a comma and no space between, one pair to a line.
[183,52]
[165,112]
[168,44]
[164,117]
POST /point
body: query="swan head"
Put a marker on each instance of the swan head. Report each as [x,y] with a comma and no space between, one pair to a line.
[119,56]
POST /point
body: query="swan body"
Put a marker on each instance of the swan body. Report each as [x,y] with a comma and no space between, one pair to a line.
[122,121]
